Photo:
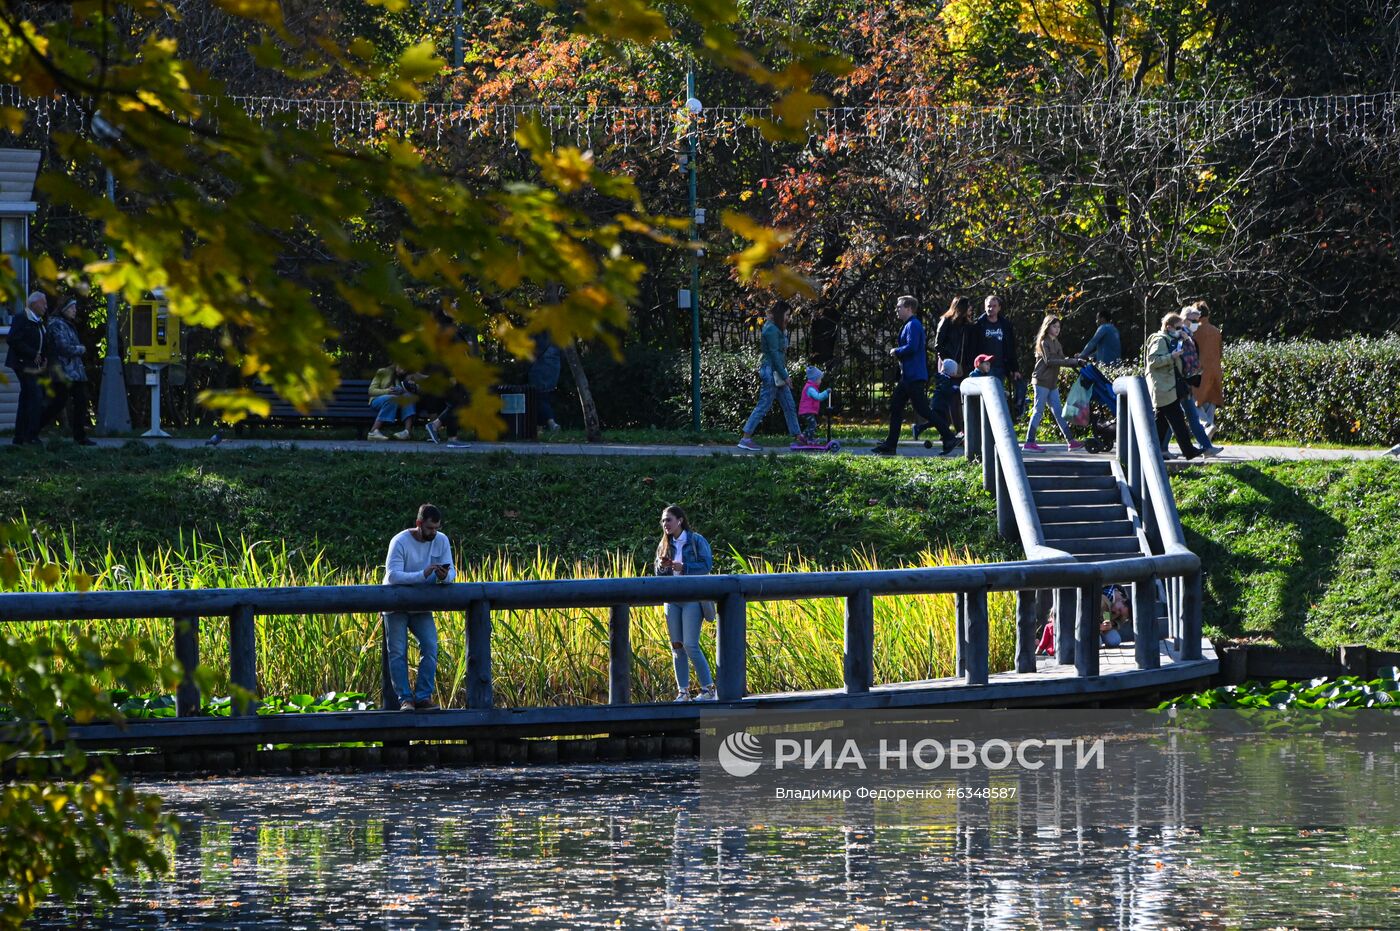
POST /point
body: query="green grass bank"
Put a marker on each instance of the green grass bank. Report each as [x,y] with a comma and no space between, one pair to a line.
[1296,553]
[824,509]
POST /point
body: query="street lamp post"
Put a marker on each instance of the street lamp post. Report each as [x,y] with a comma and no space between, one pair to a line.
[694,106]
[113,413]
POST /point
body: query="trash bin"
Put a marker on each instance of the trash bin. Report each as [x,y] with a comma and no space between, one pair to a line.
[518,410]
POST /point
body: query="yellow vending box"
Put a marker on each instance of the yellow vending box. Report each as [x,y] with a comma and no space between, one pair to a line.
[153,333]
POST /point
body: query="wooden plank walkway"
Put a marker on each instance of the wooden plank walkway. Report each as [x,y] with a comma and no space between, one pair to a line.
[1053,684]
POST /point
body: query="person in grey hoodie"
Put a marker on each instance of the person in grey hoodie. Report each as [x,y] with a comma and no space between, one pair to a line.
[421,555]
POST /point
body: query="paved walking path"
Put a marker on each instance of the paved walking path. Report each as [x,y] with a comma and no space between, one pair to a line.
[907,448]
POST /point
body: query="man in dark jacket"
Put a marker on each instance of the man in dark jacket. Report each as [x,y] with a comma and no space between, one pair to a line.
[996,337]
[26,359]
[912,353]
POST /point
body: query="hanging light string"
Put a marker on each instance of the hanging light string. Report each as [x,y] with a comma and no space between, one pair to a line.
[1366,118]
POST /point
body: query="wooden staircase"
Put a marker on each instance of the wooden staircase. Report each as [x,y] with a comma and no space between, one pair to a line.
[1082,507]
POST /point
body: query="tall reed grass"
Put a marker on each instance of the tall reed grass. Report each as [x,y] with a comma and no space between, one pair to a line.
[540,657]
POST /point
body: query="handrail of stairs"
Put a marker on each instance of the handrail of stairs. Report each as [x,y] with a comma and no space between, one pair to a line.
[1140,455]
[990,438]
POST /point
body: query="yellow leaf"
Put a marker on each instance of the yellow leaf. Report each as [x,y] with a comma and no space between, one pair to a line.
[362,49]
[48,573]
[57,801]
[796,108]
[12,119]
[45,269]
[420,62]
[268,12]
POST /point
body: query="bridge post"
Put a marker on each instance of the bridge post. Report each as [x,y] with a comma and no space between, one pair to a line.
[858,660]
[243,658]
[187,653]
[960,634]
[620,654]
[732,633]
[1025,631]
[1145,624]
[1192,601]
[1086,647]
[1064,625]
[480,691]
[978,636]
[388,698]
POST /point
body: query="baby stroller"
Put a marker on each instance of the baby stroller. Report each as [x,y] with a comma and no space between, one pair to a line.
[1091,403]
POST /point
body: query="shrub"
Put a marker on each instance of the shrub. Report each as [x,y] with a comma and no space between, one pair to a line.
[1304,390]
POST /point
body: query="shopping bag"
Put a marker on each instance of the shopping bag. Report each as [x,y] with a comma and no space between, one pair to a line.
[1076,409]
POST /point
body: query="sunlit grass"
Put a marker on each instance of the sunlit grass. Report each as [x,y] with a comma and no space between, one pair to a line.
[555,656]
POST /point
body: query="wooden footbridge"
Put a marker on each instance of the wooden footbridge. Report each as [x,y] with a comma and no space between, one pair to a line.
[1083,523]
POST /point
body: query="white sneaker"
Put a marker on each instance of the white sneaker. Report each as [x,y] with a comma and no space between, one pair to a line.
[681,696]
[402,435]
[707,695]
[375,435]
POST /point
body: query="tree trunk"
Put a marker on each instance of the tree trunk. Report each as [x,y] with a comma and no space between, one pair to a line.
[592,431]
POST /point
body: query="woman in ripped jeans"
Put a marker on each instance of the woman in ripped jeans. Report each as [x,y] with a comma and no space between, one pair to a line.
[682,551]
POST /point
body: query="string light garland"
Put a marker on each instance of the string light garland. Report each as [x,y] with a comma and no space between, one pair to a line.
[1366,118]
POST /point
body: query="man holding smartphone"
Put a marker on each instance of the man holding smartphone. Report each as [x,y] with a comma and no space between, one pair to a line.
[421,555]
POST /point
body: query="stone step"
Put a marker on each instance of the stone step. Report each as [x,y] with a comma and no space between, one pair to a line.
[1093,528]
[1037,464]
[1067,482]
[1081,513]
[1071,496]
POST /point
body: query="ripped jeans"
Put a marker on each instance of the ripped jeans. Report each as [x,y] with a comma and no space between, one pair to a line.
[683,623]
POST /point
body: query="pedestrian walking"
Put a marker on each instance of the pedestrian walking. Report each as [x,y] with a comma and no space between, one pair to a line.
[912,354]
[1166,382]
[25,357]
[1210,393]
[67,374]
[1191,370]
[773,379]
[953,341]
[544,378]
[995,336]
[421,555]
[1049,359]
[1105,347]
[682,551]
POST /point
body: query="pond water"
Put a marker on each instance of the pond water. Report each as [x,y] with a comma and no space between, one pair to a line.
[632,846]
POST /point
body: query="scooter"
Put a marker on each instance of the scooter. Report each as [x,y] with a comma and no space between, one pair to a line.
[812,444]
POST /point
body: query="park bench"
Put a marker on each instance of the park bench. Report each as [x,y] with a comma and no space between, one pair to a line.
[349,403]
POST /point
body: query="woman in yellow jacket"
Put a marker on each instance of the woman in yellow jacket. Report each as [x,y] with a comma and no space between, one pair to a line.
[1165,381]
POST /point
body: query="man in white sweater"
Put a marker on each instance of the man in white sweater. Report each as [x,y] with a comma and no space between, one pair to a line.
[421,555]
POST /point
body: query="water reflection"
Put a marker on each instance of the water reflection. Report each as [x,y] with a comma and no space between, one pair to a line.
[626,846]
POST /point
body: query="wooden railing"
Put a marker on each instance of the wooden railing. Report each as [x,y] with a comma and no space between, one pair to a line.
[239,609]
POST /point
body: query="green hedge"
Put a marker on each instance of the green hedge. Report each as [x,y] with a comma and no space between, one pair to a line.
[1304,390]
[1300,391]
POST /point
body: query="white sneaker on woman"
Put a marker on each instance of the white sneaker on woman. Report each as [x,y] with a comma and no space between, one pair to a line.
[682,696]
[707,695]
